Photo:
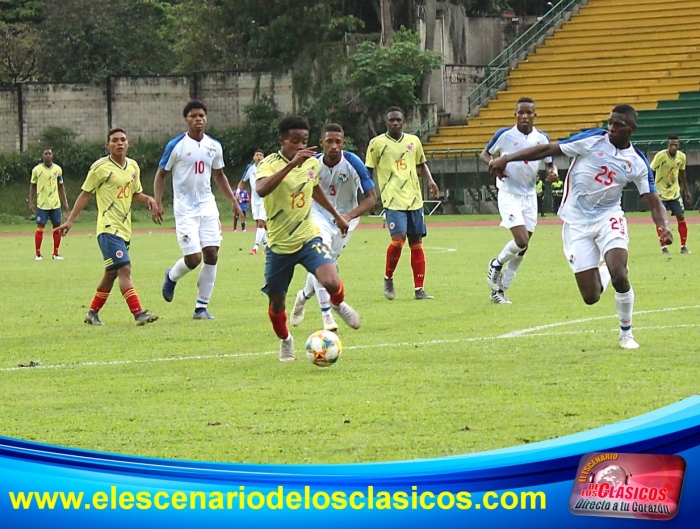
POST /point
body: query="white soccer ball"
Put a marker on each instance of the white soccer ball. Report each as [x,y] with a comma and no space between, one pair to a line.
[323,348]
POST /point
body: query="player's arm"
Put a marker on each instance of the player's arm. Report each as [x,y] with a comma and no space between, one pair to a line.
[264,185]
[143,198]
[158,188]
[423,170]
[223,184]
[32,198]
[658,214]
[64,198]
[80,203]
[365,205]
[497,166]
[319,196]
[486,155]
[684,186]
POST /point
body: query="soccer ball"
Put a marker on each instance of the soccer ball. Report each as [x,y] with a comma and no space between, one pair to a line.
[323,348]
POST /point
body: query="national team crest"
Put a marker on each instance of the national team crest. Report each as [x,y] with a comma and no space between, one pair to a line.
[628,167]
[133,176]
[410,147]
[210,152]
[119,254]
[343,177]
[311,174]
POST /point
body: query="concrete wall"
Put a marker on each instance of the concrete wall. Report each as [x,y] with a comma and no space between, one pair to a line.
[149,108]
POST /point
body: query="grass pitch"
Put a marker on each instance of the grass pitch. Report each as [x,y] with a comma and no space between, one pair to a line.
[420,378]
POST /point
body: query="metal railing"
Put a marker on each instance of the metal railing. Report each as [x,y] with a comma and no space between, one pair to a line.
[425,127]
[498,69]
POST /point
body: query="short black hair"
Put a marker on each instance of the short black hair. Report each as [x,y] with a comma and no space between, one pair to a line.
[332,127]
[258,151]
[673,137]
[195,103]
[394,109]
[524,99]
[293,123]
[114,131]
[626,110]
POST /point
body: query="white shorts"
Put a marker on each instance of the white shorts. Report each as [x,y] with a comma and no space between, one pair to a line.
[257,210]
[517,210]
[195,233]
[330,233]
[586,244]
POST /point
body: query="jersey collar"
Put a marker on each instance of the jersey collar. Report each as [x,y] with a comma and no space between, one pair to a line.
[392,139]
[115,162]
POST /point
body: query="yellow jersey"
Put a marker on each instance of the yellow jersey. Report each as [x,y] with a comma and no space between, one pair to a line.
[666,171]
[47,180]
[396,162]
[288,207]
[114,187]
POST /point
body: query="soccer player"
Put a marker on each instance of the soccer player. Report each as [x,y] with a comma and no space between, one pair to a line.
[398,159]
[46,194]
[594,223]
[341,176]
[193,158]
[243,199]
[257,207]
[116,182]
[669,169]
[288,181]
[517,198]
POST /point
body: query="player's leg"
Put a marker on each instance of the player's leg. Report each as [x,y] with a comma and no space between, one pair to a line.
[107,282]
[670,205]
[187,230]
[316,258]
[243,219]
[416,230]
[679,212]
[210,235]
[511,209]
[397,222]
[42,216]
[279,270]
[584,257]
[613,242]
[141,317]
[260,217]
[509,271]
[235,222]
[334,242]
[55,216]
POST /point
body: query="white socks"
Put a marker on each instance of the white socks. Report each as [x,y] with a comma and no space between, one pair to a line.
[509,252]
[260,236]
[604,275]
[313,286]
[205,284]
[625,306]
[179,270]
[510,270]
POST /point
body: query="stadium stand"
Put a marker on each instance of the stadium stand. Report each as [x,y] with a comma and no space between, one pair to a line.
[642,52]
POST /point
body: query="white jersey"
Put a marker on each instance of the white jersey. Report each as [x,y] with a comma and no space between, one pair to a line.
[190,163]
[598,173]
[251,175]
[341,183]
[521,175]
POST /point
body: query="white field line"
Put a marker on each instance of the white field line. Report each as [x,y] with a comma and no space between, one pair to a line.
[523,333]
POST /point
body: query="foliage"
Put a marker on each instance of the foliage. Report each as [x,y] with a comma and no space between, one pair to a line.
[18,52]
[93,39]
[21,11]
[385,76]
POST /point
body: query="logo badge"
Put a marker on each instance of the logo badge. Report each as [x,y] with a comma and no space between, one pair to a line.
[410,147]
[311,174]
[119,254]
[618,485]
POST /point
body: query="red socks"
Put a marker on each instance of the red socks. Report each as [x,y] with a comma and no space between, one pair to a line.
[393,254]
[683,231]
[38,237]
[133,301]
[418,264]
[99,300]
[279,323]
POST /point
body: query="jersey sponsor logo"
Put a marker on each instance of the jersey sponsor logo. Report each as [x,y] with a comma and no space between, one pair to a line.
[119,254]
[189,154]
[600,153]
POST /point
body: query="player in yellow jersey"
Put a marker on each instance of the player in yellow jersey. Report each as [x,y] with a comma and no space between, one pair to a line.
[46,194]
[288,181]
[398,160]
[116,182]
[669,174]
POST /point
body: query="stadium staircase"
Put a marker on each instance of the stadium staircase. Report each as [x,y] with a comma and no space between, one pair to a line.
[642,52]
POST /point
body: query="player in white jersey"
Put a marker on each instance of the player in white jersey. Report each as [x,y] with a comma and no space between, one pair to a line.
[603,163]
[342,176]
[193,158]
[257,208]
[517,197]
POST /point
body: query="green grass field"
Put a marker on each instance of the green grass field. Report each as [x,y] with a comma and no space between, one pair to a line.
[419,379]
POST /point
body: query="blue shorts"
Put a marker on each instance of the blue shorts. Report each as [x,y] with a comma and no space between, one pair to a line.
[675,206]
[408,222]
[42,215]
[279,268]
[115,250]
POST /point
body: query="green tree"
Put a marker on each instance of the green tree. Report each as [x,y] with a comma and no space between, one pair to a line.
[389,75]
[89,40]
[18,53]
[22,11]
